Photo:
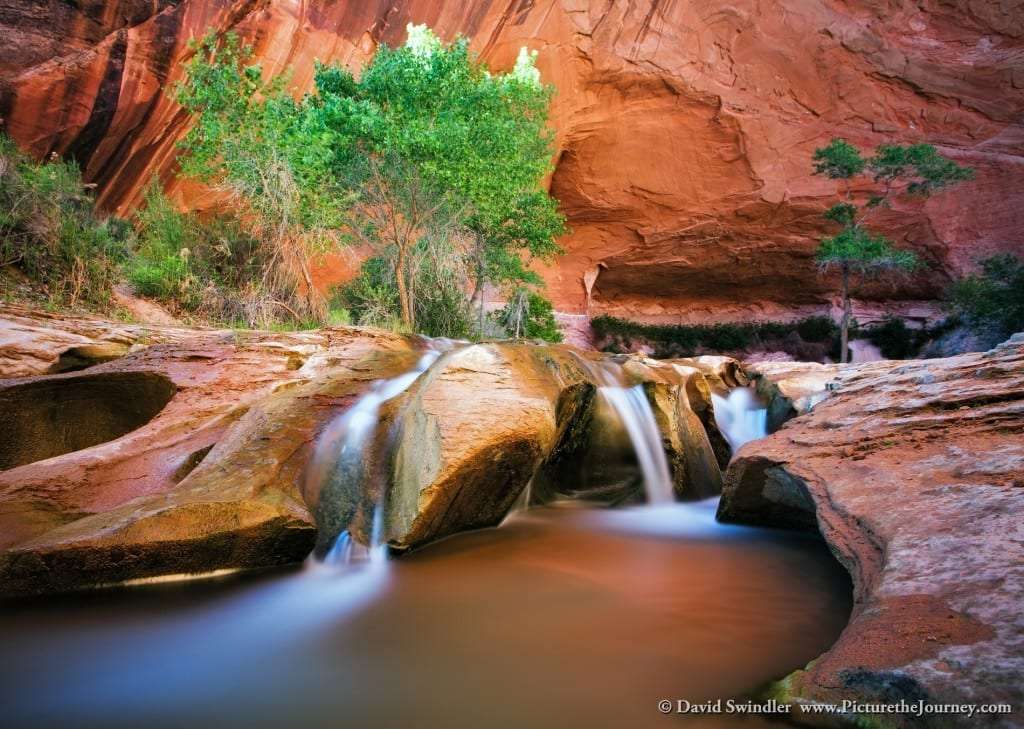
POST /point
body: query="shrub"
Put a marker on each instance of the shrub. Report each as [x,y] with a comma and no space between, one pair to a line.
[671,340]
[210,269]
[530,315]
[50,232]
[895,339]
[816,329]
[439,282]
[991,303]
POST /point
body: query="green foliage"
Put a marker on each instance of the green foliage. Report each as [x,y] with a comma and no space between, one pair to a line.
[925,170]
[530,315]
[840,160]
[857,249]
[441,306]
[672,340]
[49,230]
[916,169]
[207,268]
[816,329]
[895,339]
[991,303]
[251,139]
[429,142]
[425,144]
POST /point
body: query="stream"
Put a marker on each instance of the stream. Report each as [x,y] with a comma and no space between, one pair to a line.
[562,617]
[567,615]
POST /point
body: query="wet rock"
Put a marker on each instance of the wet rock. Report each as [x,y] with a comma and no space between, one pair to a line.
[914,474]
[213,480]
[790,388]
[472,434]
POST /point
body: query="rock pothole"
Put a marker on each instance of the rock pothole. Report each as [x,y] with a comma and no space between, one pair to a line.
[52,416]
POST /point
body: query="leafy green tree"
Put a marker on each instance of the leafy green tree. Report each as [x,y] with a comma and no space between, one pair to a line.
[991,303]
[429,141]
[426,149]
[916,169]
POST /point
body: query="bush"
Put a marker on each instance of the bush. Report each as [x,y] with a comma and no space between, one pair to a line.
[530,315]
[676,340]
[991,303]
[816,329]
[50,232]
[438,286]
[211,269]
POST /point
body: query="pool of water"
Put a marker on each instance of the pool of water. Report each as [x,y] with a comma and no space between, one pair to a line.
[562,617]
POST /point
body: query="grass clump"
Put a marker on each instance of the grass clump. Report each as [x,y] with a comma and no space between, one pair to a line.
[51,234]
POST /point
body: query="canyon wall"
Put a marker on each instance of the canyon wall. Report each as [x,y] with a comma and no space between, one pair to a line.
[684,128]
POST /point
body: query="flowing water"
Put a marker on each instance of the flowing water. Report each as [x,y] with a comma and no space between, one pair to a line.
[563,617]
[631,407]
[741,416]
[341,444]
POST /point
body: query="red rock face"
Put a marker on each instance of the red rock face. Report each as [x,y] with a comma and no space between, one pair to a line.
[684,129]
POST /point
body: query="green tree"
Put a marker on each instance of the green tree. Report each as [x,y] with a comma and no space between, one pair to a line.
[916,169]
[425,150]
[428,141]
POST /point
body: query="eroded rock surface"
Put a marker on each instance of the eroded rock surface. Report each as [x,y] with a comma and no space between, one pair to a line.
[914,474]
[684,130]
[213,479]
[200,450]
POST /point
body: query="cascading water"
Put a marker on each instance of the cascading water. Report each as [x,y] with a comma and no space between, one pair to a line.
[341,446]
[634,411]
[740,416]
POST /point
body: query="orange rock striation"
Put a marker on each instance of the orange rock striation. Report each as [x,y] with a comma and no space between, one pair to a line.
[684,129]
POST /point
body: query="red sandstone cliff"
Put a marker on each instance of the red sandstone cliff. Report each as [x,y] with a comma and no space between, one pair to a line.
[684,128]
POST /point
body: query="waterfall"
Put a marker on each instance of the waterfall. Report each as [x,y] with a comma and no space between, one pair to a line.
[740,416]
[634,412]
[341,445]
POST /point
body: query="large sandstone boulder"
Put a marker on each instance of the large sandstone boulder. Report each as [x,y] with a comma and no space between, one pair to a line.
[202,450]
[914,474]
[181,457]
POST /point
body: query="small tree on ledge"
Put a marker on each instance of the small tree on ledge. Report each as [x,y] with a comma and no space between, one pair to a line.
[916,169]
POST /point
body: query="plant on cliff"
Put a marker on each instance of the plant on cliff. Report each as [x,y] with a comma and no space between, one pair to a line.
[916,169]
[51,234]
[991,302]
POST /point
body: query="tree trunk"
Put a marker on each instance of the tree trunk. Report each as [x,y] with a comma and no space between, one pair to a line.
[844,338]
[312,301]
[481,286]
[403,290]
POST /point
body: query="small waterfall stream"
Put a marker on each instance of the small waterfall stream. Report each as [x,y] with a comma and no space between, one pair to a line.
[740,416]
[634,412]
[341,445]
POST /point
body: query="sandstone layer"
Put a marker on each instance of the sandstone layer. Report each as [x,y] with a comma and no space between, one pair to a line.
[914,474]
[684,130]
[165,450]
